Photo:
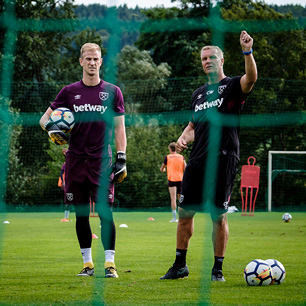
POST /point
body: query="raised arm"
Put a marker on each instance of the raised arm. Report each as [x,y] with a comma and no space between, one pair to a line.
[186,137]
[249,78]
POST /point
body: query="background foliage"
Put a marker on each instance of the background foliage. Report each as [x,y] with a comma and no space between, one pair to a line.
[157,72]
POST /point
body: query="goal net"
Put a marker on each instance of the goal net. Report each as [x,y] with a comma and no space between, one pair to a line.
[286,180]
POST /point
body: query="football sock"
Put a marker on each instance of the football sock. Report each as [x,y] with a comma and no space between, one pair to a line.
[174,214]
[180,259]
[67,214]
[108,234]
[86,253]
[218,262]
[109,256]
[82,226]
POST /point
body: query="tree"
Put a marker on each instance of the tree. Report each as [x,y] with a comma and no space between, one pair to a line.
[278,50]
[145,186]
[296,10]
[180,45]
[68,69]
[175,47]
[139,66]
[35,59]
[128,20]
[37,51]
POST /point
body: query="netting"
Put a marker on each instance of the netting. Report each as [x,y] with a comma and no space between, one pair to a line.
[157,110]
[156,113]
[154,118]
[288,179]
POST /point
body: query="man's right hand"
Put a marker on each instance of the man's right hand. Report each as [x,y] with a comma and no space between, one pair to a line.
[181,145]
[55,133]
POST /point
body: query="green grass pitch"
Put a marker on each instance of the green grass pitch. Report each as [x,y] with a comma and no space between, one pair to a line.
[40,257]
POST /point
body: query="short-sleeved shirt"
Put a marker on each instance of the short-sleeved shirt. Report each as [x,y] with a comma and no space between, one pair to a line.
[175,167]
[211,105]
[94,108]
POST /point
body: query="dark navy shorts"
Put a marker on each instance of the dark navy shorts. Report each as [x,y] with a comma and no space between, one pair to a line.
[213,183]
[178,186]
[88,180]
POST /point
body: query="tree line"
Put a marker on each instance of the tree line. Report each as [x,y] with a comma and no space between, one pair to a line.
[157,72]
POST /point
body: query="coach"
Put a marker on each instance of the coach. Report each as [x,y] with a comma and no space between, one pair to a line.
[212,104]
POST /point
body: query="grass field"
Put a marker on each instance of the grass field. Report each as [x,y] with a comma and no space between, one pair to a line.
[40,257]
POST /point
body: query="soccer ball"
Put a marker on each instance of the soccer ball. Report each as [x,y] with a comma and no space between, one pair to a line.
[278,271]
[258,273]
[63,118]
[286,217]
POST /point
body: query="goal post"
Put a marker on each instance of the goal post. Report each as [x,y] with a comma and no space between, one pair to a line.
[273,172]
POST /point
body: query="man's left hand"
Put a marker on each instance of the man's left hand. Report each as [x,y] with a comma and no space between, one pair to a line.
[119,168]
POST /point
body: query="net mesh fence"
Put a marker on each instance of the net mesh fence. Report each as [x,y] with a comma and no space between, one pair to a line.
[156,113]
[288,180]
[154,118]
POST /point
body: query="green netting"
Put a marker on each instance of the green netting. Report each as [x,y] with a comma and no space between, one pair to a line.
[288,180]
[155,116]
[156,113]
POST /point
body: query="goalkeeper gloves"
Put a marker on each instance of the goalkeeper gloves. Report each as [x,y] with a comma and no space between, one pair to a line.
[55,133]
[119,168]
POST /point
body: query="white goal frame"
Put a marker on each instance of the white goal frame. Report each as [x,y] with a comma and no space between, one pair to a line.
[270,172]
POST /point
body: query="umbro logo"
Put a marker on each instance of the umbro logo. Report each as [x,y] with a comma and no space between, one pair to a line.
[209,92]
[77,97]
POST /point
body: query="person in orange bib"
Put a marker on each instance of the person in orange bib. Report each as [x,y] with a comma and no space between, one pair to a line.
[175,164]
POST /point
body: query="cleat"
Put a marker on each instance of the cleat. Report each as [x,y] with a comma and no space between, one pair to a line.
[110,270]
[65,220]
[217,275]
[176,272]
[173,220]
[87,272]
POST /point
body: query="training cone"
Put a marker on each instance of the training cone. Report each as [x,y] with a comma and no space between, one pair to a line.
[94,236]
[123,225]
[151,219]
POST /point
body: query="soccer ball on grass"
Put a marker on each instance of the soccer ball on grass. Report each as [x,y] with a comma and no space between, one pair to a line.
[63,118]
[278,271]
[258,273]
[286,217]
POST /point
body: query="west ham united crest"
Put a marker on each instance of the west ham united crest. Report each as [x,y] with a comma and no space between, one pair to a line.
[103,95]
[221,89]
[69,196]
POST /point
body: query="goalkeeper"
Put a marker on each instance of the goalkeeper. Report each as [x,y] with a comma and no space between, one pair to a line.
[221,98]
[98,109]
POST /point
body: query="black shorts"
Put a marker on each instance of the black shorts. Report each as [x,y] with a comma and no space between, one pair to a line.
[86,179]
[178,186]
[213,183]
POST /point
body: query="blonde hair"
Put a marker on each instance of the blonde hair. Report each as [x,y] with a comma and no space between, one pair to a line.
[89,47]
[219,51]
